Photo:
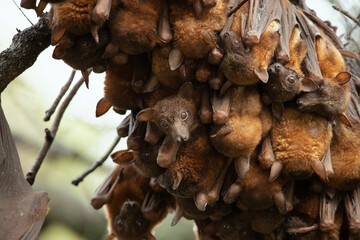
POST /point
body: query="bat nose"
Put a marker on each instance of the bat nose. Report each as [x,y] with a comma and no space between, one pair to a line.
[129,205]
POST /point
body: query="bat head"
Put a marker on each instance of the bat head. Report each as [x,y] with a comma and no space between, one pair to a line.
[130,223]
[232,44]
[175,116]
[82,52]
[330,99]
[285,83]
[234,226]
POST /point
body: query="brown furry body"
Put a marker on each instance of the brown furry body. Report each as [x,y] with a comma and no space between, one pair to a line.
[161,69]
[188,31]
[125,206]
[200,164]
[285,81]
[118,88]
[345,155]
[332,98]
[298,139]
[238,64]
[73,15]
[130,22]
[84,52]
[248,120]
[257,192]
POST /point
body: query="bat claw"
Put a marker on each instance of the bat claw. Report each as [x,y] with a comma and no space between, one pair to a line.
[275,171]
[197,7]
[242,165]
[232,194]
[85,75]
[201,201]
[176,58]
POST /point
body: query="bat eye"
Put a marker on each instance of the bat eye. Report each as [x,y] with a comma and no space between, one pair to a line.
[184,115]
[139,223]
[164,124]
[226,227]
[120,222]
[291,79]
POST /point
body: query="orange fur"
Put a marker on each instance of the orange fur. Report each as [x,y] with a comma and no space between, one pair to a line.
[257,192]
[130,22]
[345,155]
[239,69]
[245,122]
[297,51]
[161,69]
[298,139]
[200,164]
[73,15]
[188,31]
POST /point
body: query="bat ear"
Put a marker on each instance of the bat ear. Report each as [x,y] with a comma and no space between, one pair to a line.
[343,78]
[262,74]
[58,52]
[186,91]
[345,119]
[308,85]
[176,58]
[145,115]
[209,39]
[123,157]
[57,33]
[102,107]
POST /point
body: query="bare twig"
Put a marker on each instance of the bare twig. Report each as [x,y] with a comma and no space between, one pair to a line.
[50,133]
[337,8]
[22,12]
[62,92]
[23,51]
[98,163]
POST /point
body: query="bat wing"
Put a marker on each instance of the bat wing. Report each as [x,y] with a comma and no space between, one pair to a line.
[288,22]
[309,32]
[33,232]
[103,193]
[261,14]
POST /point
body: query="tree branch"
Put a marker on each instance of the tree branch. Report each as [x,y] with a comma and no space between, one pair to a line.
[337,8]
[98,163]
[62,92]
[50,133]
[24,50]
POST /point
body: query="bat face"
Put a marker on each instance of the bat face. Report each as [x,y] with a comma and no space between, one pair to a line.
[84,53]
[232,44]
[284,83]
[175,120]
[175,116]
[328,100]
[130,223]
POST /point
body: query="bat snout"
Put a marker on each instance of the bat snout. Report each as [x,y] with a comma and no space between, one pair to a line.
[181,133]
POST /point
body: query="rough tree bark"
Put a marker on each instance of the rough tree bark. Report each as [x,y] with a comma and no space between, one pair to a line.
[24,50]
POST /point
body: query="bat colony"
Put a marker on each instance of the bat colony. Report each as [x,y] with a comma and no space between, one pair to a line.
[243,115]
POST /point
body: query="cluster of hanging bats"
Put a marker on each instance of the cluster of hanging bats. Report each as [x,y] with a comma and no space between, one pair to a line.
[243,115]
